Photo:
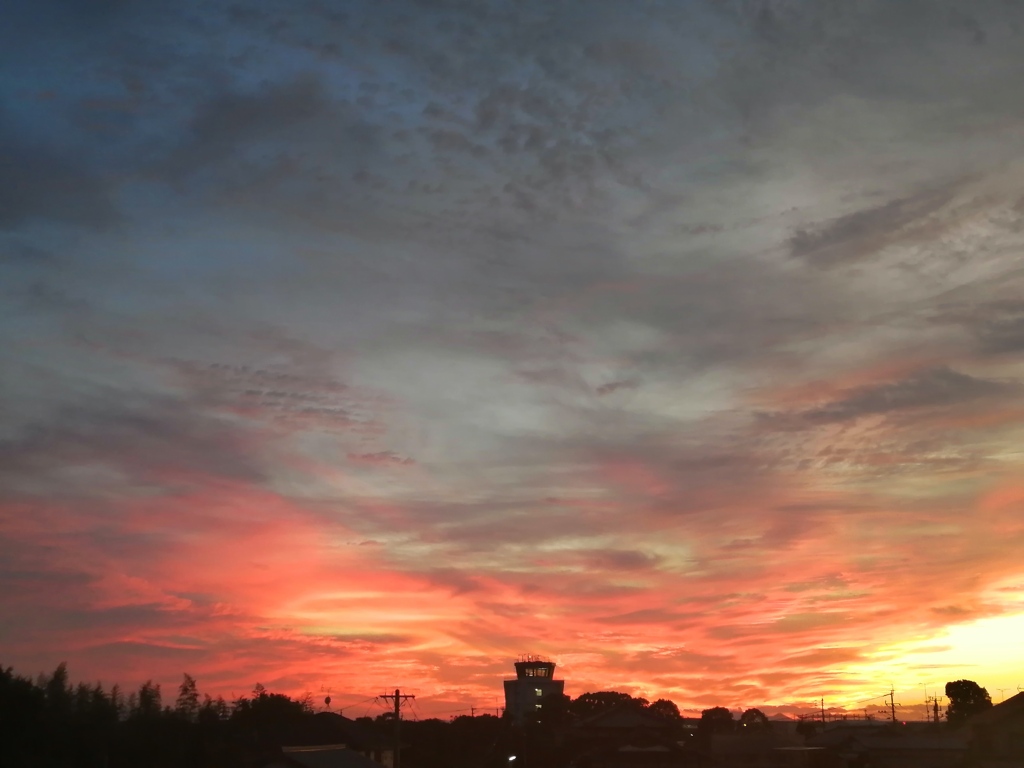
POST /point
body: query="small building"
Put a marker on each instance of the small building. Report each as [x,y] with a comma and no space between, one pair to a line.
[333,730]
[894,746]
[321,756]
[997,734]
[535,679]
[624,736]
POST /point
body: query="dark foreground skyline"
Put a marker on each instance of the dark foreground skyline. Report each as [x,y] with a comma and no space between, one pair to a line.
[361,345]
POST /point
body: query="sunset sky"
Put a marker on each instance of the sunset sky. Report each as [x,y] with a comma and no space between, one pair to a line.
[361,345]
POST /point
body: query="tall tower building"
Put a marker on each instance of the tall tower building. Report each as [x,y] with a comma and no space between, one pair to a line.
[535,679]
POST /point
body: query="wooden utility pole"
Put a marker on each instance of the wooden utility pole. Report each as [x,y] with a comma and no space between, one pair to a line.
[892,703]
[398,698]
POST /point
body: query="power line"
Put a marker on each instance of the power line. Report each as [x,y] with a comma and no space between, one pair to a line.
[349,706]
[373,701]
[416,711]
[873,698]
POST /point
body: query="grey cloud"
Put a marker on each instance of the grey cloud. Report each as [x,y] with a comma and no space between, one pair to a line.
[137,433]
[935,388]
[38,182]
[300,396]
[90,10]
[855,236]
[17,251]
[620,559]
[226,123]
[802,52]
[85,623]
[615,386]
[723,312]
[380,458]
[1002,330]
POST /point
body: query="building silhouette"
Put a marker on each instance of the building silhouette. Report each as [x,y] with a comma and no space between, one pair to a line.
[535,679]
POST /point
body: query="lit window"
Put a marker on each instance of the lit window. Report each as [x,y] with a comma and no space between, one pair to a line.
[538,706]
[538,691]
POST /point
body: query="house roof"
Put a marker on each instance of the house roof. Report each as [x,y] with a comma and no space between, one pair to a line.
[918,742]
[327,756]
[1013,707]
[326,728]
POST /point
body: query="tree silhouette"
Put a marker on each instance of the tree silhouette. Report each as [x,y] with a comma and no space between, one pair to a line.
[554,711]
[754,719]
[665,709]
[58,692]
[588,704]
[148,701]
[187,704]
[966,698]
[716,720]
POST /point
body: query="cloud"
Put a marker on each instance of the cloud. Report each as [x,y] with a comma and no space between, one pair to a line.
[42,183]
[23,252]
[124,432]
[380,458]
[223,126]
[614,386]
[932,389]
[619,560]
[857,235]
[1001,331]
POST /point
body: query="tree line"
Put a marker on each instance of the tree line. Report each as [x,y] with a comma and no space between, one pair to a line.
[51,723]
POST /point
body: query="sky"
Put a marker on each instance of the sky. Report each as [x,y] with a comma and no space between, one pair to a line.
[358,345]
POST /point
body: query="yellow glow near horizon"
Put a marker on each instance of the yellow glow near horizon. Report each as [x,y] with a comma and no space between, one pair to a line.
[988,651]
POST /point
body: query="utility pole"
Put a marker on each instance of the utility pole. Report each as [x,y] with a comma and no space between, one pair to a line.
[935,704]
[892,703]
[398,698]
[823,711]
